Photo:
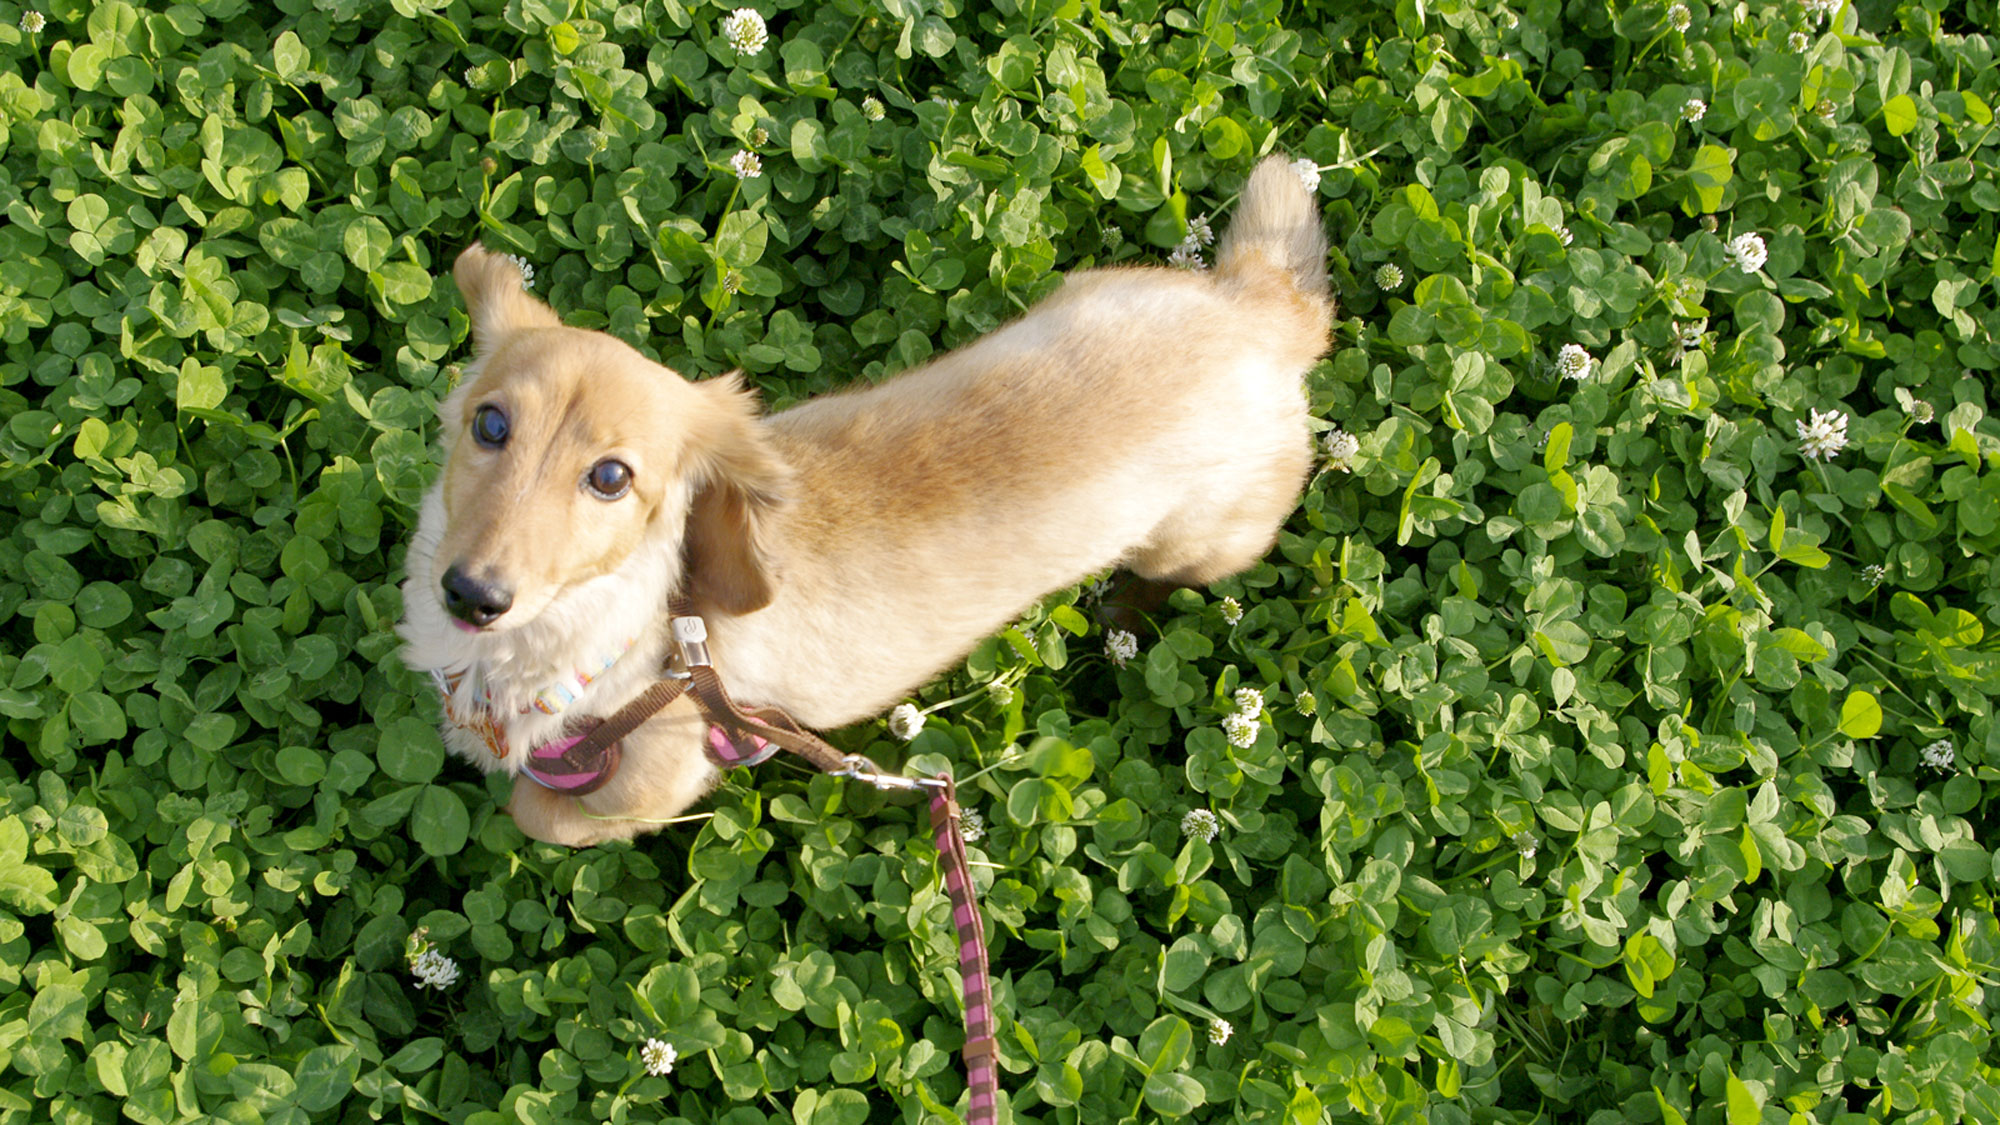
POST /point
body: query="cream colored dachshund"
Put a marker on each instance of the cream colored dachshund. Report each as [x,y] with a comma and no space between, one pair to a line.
[846,550]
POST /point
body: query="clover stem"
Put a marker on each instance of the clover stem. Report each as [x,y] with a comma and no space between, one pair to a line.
[1644,51]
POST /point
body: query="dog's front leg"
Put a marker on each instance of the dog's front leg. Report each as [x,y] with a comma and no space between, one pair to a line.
[661,772]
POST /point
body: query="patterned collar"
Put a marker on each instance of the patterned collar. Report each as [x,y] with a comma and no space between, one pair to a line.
[479,717]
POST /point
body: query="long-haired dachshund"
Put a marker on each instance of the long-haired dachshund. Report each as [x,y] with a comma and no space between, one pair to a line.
[843,551]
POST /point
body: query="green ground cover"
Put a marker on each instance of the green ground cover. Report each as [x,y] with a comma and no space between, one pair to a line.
[1624,725]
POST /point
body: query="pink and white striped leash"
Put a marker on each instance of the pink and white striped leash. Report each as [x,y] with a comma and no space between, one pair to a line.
[982,1075]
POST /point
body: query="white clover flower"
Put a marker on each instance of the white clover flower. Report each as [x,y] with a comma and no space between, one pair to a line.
[1113,238]
[33,22]
[1199,232]
[1306,704]
[1219,1031]
[1187,256]
[732,282]
[1573,362]
[1746,252]
[659,1056]
[1915,407]
[1001,693]
[971,826]
[760,136]
[1821,9]
[527,270]
[1693,110]
[1798,42]
[1341,448]
[1241,730]
[1679,18]
[1388,277]
[905,721]
[1232,611]
[1525,841]
[1120,646]
[1691,334]
[746,165]
[1564,234]
[1824,436]
[1824,110]
[744,29]
[872,108]
[433,969]
[1874,574]
[1200,824]
[1249,701]
[1308,173]
[472,77]
[1938,755]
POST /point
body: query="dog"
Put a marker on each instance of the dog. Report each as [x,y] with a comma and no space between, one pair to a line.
[844,551]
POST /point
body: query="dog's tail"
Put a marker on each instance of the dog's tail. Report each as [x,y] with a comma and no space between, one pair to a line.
[1276,227]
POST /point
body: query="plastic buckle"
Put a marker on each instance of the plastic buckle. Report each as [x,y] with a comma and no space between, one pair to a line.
[691,633]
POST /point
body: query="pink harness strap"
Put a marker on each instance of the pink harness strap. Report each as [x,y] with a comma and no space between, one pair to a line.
[561,766]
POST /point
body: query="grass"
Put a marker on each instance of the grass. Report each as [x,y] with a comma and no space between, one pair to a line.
[1618,754]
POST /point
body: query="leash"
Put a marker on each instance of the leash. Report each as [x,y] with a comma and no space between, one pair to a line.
[739,737]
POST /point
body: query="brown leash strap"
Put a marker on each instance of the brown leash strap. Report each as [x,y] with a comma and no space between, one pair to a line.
[626,719]
[768,724]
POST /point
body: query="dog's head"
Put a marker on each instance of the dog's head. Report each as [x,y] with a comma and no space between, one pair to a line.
[566,451]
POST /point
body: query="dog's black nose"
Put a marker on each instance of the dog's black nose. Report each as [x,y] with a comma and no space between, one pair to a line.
[472,601]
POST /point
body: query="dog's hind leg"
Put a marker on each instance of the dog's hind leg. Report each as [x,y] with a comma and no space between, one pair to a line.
[1189,561]
[1192,549]
[1142,586]
[1227,528]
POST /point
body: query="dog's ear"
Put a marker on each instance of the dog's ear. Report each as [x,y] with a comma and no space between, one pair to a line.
[742,482]
[496,297]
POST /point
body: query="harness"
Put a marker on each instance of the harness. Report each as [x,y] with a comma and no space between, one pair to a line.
[581,763]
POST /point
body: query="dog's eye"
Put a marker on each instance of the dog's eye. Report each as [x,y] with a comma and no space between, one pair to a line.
[489,427]
[609,480]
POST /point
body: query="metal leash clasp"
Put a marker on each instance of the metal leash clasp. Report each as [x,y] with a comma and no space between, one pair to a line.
[860,768]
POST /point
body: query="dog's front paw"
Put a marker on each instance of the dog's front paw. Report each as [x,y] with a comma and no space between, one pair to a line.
[557,818]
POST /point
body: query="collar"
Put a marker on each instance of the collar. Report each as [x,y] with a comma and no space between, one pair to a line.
[478,714]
